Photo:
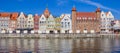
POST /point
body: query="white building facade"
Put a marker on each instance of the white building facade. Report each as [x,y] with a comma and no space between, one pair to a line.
[30,21]
[21,21]
[66,23]
[106,19]
[4,22]
[116,24]
[51,24]
[42,24]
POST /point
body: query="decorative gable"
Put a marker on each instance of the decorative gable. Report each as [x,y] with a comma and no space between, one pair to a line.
[103,15]
[66,18]
[21,15]
[30,17]
[42,18]
[51,17]
[109,15]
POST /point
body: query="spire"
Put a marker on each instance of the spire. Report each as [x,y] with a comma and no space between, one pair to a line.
[74,8]
[98,10]
[46,12]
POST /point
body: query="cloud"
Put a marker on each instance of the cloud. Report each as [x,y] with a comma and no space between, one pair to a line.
[97,5]
[61,2]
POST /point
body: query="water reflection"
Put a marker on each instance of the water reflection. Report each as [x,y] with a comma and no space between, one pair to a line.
[82,45]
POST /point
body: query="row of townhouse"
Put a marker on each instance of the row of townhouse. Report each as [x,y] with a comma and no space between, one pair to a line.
[45,23]
[77,22]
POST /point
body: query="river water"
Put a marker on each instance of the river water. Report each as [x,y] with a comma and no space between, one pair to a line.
[81,45]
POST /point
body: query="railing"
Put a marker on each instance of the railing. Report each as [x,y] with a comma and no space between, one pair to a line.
[59,35]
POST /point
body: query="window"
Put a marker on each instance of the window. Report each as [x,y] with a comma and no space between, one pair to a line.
[68,23]
[66,19]
[62,22]
[30,18]
[102,14]
[28,21]
[42,18]
[109,15]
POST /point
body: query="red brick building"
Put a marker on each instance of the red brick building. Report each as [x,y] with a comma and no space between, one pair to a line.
[13,21]
[86,22]
[36,22]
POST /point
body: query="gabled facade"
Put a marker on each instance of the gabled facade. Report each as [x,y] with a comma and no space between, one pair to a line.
[58,24]
[30,21]
[42,23]
[50,23]
[46,22]
[116,26]
[21,21]
[36,22]
[4,22]
[66,23]
[13,21]
[106,19]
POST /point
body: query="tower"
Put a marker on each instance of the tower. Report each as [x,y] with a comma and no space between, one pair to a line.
[98,11]
[74,13]
[46,12]
[98,15]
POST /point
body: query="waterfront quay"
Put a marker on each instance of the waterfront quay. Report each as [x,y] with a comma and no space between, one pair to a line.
[61,36]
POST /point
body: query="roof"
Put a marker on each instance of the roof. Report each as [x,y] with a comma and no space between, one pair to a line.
[4,14]
[46,13]
[86,14]
[73,9]
[21,13]
[13,16]
[62,16]
[98,10]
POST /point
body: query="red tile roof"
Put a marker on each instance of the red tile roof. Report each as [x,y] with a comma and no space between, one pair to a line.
[4,14]
[86,14]
[14,16]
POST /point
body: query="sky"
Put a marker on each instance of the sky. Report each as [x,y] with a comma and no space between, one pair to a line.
[58,7]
